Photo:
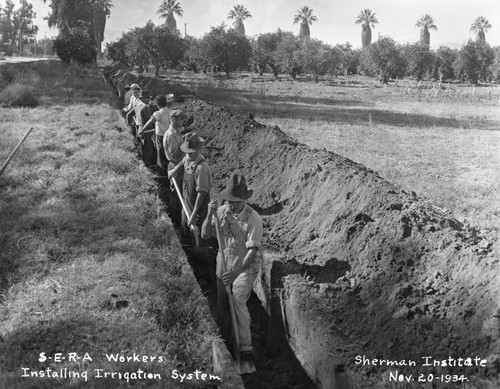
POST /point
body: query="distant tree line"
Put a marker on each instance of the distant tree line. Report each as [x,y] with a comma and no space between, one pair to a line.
[227,50]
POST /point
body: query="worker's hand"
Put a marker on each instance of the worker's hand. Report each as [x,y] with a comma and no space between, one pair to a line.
[170,174]
[228,278]
[212,207]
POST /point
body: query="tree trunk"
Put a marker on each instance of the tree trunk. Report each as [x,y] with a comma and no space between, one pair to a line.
[480,37]
[425,36]
[366,36]
[305,32]
[239,27]
[171,23]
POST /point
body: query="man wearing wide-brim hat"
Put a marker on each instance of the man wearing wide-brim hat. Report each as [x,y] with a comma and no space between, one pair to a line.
[241,229]
[196,182]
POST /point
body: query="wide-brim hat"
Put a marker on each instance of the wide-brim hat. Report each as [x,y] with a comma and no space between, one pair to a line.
[134,86]
[192,143]
[169,97]
[236,188]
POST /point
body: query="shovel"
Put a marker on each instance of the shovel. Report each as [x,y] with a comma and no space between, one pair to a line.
[186,212]
[242,367]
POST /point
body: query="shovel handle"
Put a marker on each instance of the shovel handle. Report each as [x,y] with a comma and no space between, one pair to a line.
[4,166]
[229,294]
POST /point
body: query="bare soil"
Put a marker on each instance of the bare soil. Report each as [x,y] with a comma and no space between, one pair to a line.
[378,271]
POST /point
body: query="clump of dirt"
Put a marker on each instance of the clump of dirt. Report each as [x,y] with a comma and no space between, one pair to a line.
[400,279]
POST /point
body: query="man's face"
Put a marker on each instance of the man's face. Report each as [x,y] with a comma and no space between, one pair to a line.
[236,206]
[192,156]
[177,121]
[136,92]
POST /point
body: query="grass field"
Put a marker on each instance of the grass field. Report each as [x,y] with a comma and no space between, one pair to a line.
[85,265]
[441,141]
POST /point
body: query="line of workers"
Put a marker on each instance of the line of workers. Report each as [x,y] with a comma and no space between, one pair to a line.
[166,142]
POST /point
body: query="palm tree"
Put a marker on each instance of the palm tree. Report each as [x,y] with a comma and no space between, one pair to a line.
[367,19]
[167,10]
[239,13]
[426,22]
[480,26]
[101,9]
[305,17]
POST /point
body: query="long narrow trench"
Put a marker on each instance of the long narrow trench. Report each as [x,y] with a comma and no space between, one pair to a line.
[277,367]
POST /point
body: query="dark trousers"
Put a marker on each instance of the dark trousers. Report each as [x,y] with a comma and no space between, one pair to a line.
[161,158]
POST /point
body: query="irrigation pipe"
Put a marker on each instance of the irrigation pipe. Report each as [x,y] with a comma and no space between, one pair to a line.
[4,166]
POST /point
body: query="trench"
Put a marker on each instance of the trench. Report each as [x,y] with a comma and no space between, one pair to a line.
[276,363]
[353,266]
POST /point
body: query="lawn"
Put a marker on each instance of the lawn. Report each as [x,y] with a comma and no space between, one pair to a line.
[85,265]
[441,141]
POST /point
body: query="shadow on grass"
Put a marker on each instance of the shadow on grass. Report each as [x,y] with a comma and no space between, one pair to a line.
[331,110]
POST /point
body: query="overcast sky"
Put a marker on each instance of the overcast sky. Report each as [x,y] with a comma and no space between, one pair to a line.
[335,23]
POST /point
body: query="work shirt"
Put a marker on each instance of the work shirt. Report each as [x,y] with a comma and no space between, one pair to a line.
[142,114]
[132,103]
[172,141]
[240,232]
[162,123]
[199,167]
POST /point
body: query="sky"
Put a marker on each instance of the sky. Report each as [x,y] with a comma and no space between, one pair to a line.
[335,23]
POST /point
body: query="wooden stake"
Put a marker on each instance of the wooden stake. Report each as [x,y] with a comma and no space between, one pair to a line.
[15,150]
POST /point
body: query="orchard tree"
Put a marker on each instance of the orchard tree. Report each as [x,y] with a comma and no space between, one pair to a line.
[318,59]
[383,59]
[117,51]
[226,49]
[350,58]
[263,52]
[443,66]
[193,57]
[285,55]
[474,60]
[419,60]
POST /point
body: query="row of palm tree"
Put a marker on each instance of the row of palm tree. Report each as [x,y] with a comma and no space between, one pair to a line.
[305,17]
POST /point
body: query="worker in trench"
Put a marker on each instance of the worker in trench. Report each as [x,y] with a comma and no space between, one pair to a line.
[196,186]
[241,232]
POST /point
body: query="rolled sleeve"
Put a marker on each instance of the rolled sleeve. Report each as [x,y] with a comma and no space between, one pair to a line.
[254,232]
[204,178]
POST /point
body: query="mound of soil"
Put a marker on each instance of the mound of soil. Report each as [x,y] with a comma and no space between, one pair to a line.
[378,272]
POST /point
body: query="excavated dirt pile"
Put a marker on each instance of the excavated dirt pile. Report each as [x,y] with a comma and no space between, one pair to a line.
[362,269]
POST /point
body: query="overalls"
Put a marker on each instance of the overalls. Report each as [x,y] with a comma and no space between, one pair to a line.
[189,193]
[234,237]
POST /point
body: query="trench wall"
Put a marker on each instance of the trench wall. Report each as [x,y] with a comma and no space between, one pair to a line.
[381,272]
